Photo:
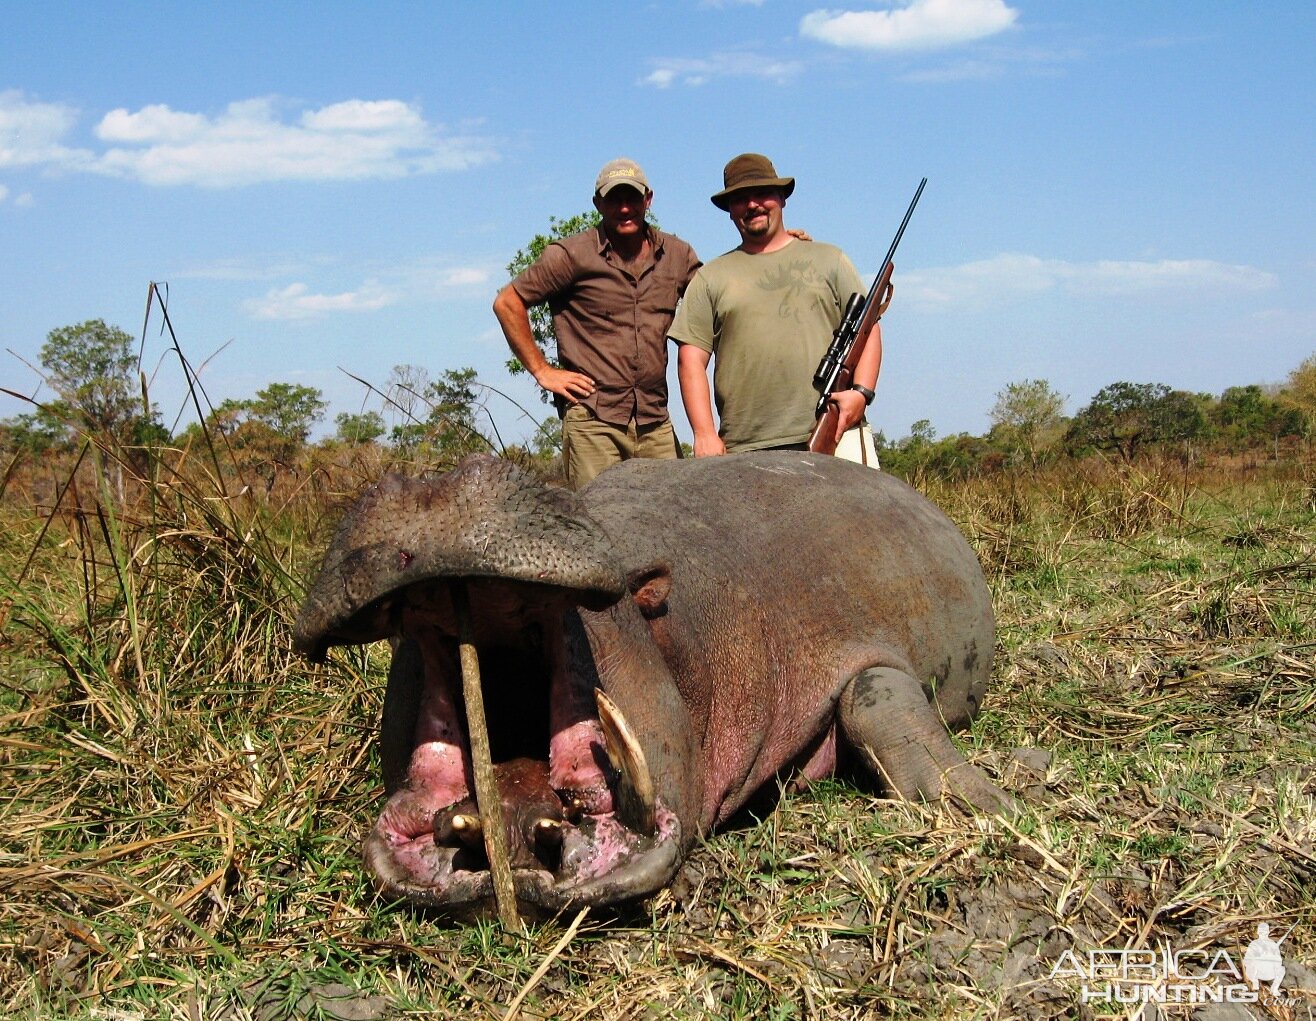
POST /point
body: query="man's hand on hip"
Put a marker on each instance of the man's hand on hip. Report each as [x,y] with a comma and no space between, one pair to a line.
[565,383]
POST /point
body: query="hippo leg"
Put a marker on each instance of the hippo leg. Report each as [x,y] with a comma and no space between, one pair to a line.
[885,715]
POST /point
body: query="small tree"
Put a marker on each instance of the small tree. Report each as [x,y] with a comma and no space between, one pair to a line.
[91,366]
[405,390]
[1025,412]
[921,433]
[41,432]
[274,426]
[454,403]
[1248,416]
[290,410]
[358,429]
[1125,417]
[1299,391]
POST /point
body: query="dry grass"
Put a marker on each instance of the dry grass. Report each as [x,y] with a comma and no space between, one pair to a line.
[183,801]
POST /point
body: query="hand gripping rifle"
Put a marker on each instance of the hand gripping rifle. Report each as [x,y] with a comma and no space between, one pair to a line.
[836,370]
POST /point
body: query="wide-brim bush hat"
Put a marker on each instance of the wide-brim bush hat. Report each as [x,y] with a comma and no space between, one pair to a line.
[750,170]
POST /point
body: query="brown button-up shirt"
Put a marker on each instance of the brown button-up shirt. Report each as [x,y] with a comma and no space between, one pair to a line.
[611,324]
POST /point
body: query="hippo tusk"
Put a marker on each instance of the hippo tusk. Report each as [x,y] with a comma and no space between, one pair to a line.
[635,800]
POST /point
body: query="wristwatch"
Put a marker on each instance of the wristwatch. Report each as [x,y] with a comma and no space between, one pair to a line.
[868,394]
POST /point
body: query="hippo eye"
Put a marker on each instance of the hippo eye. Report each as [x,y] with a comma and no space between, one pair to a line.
[405,557]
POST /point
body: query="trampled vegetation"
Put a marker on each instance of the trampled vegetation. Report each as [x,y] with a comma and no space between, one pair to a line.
[185,799]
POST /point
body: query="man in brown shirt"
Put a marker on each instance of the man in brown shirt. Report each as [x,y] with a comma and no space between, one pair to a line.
[612,291]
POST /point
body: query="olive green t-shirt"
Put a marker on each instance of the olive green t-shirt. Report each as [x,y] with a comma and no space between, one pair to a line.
[767,320]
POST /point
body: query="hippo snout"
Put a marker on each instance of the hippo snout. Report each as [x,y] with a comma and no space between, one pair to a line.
[543,583]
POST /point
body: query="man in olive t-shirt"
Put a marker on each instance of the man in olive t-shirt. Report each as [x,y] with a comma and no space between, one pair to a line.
[764,314]
[612,291]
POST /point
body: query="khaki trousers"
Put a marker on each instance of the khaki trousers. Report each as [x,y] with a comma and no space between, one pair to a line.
[589,445]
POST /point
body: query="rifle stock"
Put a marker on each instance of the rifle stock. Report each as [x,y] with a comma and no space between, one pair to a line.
[836,370]
[823,439]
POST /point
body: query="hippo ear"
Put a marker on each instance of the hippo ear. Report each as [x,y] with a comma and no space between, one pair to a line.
[650,587]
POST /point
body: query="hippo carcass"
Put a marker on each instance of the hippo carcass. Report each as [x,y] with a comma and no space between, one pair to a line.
[746,616]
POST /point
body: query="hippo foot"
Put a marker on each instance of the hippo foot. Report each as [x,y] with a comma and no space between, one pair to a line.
[884,714]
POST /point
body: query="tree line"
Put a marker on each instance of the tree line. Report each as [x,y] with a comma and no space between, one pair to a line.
[92,370]
[1122,420]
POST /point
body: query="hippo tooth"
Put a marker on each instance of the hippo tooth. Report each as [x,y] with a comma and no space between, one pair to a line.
[634,797]
[548,832]
[469,830]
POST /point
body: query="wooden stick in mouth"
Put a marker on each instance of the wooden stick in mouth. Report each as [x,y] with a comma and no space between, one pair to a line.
[487,798]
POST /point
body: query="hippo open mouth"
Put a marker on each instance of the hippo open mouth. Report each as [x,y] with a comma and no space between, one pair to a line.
[581,820]
[579,811]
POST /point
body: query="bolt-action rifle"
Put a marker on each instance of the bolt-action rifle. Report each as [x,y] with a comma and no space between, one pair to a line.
[836,370]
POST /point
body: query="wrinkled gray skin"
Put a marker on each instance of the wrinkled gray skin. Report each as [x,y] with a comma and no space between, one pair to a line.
[749,615]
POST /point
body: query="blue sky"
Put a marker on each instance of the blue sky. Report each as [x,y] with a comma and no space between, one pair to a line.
[1117,191]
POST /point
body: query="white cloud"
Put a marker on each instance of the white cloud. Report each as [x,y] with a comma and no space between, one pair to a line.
[390,116]
[916,25]
[22,200]
[662,78]
[31,132]
[464,277]
[249,142]
[422,281]
[1111,277]
[255,267]
[693,71]
[1009,276]
[154,123]
[296,302]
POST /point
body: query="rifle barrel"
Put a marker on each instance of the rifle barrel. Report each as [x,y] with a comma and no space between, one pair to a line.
[891,252]
[873,295]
